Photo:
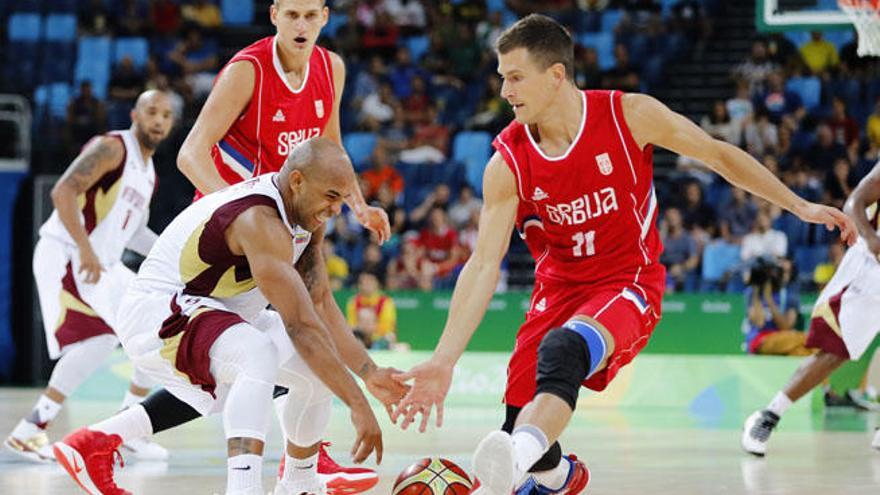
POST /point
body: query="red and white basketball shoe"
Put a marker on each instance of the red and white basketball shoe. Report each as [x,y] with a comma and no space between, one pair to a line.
[339,480]
[88,457]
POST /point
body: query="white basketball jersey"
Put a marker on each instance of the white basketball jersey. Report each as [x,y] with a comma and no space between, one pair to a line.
[116,207]
[192,259]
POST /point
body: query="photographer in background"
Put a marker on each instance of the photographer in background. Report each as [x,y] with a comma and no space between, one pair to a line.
[773,309]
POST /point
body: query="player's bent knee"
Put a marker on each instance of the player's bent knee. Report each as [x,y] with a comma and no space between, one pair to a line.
[566,357]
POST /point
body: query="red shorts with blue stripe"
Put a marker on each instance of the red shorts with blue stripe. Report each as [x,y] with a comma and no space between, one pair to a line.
[628,310]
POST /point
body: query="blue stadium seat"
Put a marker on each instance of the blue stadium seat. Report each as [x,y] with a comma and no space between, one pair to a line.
[336,21]
[51,100]
[237,12]
[473,149]
[94,49]
[24,27]
[610,19]
[808,88]
[418,46]
[719,257]
[60,27]
[359,146]
[603,43]
[135,47]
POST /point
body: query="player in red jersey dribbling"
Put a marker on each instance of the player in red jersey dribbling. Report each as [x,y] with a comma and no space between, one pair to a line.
[574,174]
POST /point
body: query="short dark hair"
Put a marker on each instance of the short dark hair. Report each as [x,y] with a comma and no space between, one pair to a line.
[547,41]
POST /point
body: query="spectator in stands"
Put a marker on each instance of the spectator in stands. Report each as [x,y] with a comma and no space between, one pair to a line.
[396,135]
[623,76]
[720,126]
[197,62]
[442,248]
[367,81]
[385,199]
[164,16]
[93,17]
[411,270]
[756,68]
[378,108]
[465,53]
[697,216]
[337,267]
[819,55]
[740,107]
[367,12]
[844,128]
[203,13]
[369,297]
[463,208]
[381,173]
[689,17]
[437,198]
[488,30]
[382,37]
[126,83]
[86,117]
[467,235]
[783,52]
[373,261]
[587,73]
[130,18]
[430,141]
[408,15]
[778,101]
[737,215]
[761,135]
[839,183]
[772,313]
[822,154]
[763,241]
[825,270]
[872,130]
[402,73]
[493,111]
[415,106]
[681,254]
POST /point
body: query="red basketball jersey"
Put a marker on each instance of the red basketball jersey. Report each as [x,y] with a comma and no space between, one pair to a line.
[588,215]
[278,116]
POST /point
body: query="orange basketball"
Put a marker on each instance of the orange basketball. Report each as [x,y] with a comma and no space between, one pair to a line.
[432,476]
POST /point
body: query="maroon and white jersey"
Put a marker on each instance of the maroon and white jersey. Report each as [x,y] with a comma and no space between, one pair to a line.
[278,116]
[588,215]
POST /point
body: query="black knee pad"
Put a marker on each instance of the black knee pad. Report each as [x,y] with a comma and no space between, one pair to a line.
[563,363]
[167,411]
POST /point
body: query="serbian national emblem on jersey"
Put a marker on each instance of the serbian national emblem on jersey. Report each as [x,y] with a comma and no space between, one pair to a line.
[278,116]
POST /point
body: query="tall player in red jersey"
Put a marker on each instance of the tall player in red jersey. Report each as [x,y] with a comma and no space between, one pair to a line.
[574,174]
[271,96]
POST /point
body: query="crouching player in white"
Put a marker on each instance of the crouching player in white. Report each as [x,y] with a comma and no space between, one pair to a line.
[195,319]
[102,203]
[845,320]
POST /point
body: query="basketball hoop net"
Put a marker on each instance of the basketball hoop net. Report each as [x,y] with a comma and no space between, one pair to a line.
[865,15]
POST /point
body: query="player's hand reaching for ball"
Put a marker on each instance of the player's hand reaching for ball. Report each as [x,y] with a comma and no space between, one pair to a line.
[90,265]
[369,435]
[376,220]
[831,217]
[431,381]
[385,388]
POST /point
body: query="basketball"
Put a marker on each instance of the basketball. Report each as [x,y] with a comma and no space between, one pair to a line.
[432,476]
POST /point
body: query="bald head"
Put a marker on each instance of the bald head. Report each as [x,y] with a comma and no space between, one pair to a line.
[152,118]
[318,177]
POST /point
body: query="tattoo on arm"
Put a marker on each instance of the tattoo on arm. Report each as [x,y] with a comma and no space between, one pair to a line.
[87,167]
[309,267]
[368,367]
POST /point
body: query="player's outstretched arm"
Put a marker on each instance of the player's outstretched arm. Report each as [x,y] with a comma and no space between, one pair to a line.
[259,235]
[470,299]
[374,219]
[866,193]
[652,122]
[313,270]
[99,157]
[227,100]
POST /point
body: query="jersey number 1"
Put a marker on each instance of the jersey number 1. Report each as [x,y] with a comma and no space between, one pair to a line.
[584,243]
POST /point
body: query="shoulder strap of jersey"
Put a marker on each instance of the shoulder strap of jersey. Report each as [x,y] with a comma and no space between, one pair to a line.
[509,143]
[327,66]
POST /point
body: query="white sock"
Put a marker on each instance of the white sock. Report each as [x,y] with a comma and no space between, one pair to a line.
[298,470]
[555,478]
[44,411]
[244,473]
[129,424]
[131,399]
[529,444]
[779,404]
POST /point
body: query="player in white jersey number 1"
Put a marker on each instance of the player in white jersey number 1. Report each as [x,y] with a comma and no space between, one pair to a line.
[102,205]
